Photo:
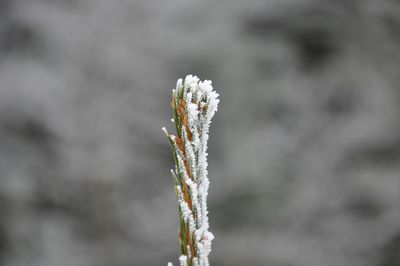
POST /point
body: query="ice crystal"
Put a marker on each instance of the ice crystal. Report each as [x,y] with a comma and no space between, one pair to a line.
[194,103]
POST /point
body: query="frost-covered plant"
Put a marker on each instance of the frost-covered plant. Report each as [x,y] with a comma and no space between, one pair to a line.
[194,103]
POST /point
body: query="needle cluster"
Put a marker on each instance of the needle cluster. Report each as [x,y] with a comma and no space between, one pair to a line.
[194,103]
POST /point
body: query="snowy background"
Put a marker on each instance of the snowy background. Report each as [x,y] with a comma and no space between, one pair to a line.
[304,152]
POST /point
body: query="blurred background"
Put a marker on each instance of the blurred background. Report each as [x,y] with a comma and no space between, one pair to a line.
[304,152]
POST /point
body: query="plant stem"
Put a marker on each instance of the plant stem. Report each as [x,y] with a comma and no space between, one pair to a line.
[194,103]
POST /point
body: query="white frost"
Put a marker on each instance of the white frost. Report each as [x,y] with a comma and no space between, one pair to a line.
[201,104]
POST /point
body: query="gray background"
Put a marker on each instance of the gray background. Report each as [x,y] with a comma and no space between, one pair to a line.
[304,153]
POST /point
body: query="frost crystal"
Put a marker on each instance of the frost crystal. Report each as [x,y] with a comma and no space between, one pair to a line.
[194,103]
